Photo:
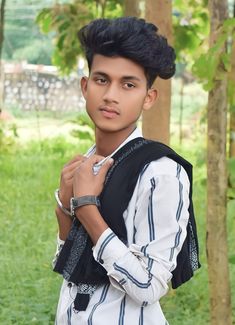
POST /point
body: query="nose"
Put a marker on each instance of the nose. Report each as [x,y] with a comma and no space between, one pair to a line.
[111,94]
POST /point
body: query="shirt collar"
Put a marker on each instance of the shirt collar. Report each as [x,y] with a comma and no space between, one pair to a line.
[135,134]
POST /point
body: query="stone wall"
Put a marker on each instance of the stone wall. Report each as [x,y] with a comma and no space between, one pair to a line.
[29,87]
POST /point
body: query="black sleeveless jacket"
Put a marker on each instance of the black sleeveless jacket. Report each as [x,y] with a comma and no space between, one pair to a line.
[76,262]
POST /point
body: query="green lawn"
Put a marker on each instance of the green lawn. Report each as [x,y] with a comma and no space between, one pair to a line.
[28,288]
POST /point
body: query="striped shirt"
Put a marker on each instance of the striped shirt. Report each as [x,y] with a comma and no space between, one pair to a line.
[139,272]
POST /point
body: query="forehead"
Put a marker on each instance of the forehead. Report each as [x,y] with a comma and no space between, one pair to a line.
[117,66]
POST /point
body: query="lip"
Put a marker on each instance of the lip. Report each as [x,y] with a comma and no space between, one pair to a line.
[108,111]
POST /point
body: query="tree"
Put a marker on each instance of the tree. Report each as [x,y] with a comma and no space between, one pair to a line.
[156,122]
[2,14]
[232,98]
[217,251]
[232,108]
[131,8]
[190,29]
[65,20]
[22,38]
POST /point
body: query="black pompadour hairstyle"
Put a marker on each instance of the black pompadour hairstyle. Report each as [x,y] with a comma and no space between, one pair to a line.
[132,38]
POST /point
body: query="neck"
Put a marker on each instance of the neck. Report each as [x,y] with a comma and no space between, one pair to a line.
[108,142]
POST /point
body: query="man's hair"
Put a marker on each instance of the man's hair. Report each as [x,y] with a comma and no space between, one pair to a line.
[131,38]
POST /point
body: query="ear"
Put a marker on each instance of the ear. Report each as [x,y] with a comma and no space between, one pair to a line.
[83,84]
[150,99]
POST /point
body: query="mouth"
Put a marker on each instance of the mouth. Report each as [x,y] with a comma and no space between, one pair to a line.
[109,112]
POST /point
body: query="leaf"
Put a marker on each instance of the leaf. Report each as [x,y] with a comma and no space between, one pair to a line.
[60,41]
[231,93]
[67,18]
[232,259]
[209,85]
[231,209]
[231,193]
[73,9]
[231,170]
[231,165]
[65,25]
[230,22]
[44,20]
[225,57]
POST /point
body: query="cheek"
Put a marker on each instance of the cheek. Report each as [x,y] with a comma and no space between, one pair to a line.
[91,96]
[136,100]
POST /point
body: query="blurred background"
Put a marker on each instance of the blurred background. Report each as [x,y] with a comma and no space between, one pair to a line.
[43,124]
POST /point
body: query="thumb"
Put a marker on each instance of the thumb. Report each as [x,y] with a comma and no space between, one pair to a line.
[104,169]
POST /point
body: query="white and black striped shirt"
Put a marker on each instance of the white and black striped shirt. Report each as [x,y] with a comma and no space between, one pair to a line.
[156,221]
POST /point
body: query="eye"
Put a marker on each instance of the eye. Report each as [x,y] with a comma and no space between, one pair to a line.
[128,85]
[101,81]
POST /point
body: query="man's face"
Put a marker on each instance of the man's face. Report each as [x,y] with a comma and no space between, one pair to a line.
[115,93]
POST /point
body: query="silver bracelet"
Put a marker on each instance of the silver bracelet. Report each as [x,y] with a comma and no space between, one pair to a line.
[60,205]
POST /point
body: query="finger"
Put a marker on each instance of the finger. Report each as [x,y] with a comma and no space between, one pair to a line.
[66,177]
[105,167]
[95,159]
[76,159]
[68,172]
[72,166]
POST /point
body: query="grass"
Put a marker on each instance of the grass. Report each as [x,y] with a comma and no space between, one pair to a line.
[28,288]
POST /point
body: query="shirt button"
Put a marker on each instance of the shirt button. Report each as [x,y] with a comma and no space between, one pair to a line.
[101,261]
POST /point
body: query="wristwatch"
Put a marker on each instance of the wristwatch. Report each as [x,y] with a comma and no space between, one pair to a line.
[77,202]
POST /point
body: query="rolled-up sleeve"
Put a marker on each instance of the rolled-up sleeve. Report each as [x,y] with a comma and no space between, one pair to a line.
[143,268]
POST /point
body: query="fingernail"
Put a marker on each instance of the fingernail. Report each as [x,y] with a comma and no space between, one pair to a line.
[111,160]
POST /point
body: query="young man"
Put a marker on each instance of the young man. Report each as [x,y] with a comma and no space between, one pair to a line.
[130,198]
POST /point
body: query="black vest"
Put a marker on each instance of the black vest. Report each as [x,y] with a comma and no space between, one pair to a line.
[76,262]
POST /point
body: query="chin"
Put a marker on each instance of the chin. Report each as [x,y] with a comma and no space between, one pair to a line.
[107,129]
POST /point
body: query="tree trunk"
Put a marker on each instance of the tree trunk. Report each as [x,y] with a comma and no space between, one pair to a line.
[181,111]
[131,8]
[156,122]
[217,250]
[232,108]
[2,14]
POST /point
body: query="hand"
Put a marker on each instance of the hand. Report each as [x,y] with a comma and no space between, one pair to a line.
[66,179]
[85,182]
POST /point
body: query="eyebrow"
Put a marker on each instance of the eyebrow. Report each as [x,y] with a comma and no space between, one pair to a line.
[126,78]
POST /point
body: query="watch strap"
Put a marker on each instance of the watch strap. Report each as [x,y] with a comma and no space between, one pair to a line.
[77,202]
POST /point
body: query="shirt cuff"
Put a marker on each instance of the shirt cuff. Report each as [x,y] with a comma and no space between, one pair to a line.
[59,246]
[60,241]
[108,249]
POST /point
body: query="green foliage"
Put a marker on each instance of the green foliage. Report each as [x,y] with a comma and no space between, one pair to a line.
[231,223]
[29,289]
[37,52]
[191,27]
[21,34]
[84,128]
[8,134]
[65,20]
[232,259]
[231,171]
[231,94]
[231,200]
[216,63]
